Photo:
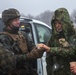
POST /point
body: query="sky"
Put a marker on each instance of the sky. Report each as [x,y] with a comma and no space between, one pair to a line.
[35,7]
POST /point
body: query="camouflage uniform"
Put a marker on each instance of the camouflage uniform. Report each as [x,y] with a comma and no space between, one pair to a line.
[18,43]
[59,57]
[7,61]
[25,56]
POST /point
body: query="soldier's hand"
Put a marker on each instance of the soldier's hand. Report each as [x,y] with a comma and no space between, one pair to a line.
[47,49]
[73,67]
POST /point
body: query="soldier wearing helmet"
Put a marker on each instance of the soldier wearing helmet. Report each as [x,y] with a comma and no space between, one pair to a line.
[62,43]
[17,42]
[8,16]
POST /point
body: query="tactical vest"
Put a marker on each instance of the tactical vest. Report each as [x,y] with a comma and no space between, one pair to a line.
[20,39]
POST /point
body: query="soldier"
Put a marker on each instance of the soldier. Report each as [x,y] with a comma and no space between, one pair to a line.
[62,43]
[17,42]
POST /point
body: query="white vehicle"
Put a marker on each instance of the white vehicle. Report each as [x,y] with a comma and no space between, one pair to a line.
[39,33]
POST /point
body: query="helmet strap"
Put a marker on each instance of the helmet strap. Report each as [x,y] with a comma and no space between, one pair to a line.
[12,28]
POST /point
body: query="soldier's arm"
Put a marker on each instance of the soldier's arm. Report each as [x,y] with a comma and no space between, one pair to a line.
[34,51]
[38,51]
[62,51]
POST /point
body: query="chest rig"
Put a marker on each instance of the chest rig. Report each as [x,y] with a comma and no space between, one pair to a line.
[20,39]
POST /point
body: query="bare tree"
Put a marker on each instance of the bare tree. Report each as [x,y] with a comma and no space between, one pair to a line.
[73,18]
[31,16]
[45,17]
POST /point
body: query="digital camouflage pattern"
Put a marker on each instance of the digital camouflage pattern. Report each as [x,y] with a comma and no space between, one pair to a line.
[60,55]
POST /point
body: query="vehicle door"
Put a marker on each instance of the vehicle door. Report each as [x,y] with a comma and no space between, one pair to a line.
[43,33]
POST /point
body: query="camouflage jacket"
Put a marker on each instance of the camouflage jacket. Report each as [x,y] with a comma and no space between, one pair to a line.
[69,34]
[7,61]
[23,48]
[62,44]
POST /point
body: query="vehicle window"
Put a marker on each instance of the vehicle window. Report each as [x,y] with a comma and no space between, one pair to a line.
[27,28]
[43,33]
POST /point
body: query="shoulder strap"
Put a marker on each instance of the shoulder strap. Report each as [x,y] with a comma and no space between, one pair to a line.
[23,40]
[29,41]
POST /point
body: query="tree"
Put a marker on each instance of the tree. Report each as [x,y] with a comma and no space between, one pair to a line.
[73,18]
[31,16]
[45,17]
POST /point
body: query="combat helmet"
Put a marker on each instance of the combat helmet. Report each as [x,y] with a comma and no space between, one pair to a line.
[10,14]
